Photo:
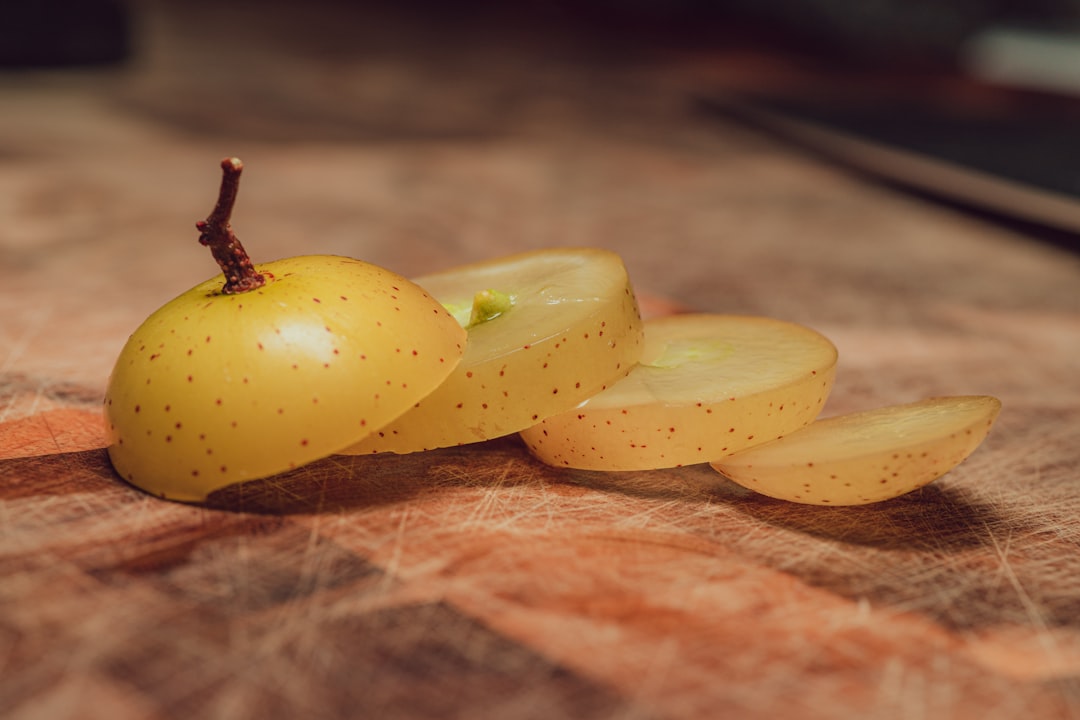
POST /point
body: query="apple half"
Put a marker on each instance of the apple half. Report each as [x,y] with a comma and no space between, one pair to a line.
[215,388]
[866,457]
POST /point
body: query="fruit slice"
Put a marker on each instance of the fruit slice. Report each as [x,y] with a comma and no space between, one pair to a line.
[706,386]
[546,330]
[868,456]
[214,389]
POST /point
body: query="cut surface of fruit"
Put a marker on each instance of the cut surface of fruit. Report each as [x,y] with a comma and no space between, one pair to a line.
[546,330]
[706,385]
[214,389]
[868,456]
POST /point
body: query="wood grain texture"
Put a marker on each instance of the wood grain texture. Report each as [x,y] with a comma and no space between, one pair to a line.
[475,582]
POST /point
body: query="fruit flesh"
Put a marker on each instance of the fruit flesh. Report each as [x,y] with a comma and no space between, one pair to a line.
[567,325]
[214,389]
[706,386]
[866,457]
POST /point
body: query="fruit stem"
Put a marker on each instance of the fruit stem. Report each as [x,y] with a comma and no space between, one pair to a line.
[216,233]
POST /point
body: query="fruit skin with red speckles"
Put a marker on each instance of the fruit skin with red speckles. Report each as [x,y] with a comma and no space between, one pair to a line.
[218,388]
[706,385]
[866,457]
[267,367]
[566,327]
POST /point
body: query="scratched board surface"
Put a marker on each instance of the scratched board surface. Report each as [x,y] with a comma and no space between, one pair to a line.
[475,582]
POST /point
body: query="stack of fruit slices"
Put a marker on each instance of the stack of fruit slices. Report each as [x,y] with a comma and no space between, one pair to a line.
[268,367]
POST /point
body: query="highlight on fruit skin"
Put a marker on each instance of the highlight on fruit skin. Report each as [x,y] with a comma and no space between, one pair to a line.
[866,457]
[706,385]
[547,330]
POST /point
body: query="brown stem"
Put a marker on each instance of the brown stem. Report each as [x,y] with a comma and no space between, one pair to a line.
[215,233]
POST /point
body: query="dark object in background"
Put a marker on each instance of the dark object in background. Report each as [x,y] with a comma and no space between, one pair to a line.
[1014,167]
[869,34]
[895,33]
[63,33]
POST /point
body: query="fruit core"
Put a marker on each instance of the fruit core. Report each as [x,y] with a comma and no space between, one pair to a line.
[486,305]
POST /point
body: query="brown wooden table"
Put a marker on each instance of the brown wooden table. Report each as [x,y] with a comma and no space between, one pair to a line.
[475,582]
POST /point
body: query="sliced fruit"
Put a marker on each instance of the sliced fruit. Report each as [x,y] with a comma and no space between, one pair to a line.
[868,456]
[706,386]
[546,330]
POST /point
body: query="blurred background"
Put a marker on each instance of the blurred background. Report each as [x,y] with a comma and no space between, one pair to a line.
[988,85]
[888,33]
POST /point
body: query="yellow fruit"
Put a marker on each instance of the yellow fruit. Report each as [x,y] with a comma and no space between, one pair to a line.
[299,359]
[546,330]
[868,456]
[705,386]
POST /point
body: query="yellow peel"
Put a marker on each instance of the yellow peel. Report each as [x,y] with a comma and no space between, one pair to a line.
[562,326]
[705,386]
[868,456]
[214,389]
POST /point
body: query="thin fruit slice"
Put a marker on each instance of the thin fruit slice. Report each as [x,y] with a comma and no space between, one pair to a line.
[868,456]
[546,330]
[706,386]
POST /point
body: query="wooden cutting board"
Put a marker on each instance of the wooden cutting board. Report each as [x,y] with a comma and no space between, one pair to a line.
[475,582]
